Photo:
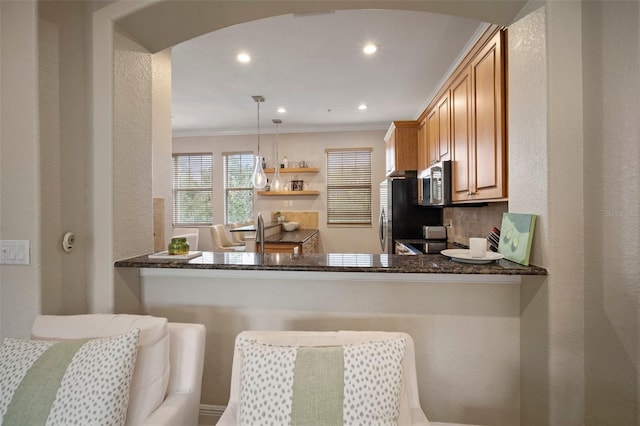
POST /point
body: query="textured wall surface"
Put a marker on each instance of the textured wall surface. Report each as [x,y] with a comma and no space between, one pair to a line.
[132,153]
[612,194]
[63,155]
[19,164]
[132,165]
[528,182]
[161,134]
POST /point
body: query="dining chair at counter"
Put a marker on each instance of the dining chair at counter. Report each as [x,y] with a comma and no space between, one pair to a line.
[221,241]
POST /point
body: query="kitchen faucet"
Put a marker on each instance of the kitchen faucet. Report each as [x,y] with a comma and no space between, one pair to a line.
[260,234]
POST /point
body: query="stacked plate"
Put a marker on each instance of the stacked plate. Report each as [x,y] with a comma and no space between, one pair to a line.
[463,255]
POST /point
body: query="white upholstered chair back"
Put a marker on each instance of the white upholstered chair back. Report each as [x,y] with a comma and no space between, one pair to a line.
[166,385]
[410,411]
[217,241]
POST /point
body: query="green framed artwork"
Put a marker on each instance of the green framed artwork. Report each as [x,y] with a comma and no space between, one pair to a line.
[516,235]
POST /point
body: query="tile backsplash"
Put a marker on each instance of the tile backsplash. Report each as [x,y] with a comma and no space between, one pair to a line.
[467,222]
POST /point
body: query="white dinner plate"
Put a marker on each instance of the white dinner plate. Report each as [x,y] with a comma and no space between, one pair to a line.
[463,255]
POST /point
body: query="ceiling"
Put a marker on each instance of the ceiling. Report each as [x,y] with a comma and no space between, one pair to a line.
[313,65]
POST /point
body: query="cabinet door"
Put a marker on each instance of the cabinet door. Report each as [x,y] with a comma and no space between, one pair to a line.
[444,131]
[489,180]
[433,140]
[461,136]
[423,161]
[311,245]
[401,147]
[390,152]
[406,146]
[280,247]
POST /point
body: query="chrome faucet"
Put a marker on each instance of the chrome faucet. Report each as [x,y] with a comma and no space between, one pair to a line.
[260,234]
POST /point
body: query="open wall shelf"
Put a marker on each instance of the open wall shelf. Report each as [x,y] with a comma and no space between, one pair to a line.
[288,192]
[294,170]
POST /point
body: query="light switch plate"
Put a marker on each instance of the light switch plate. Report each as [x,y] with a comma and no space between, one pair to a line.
[14,252]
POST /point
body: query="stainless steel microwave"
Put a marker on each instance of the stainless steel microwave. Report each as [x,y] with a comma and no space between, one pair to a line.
[434,185]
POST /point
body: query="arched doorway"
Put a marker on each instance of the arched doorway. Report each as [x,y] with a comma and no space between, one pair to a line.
[161,24]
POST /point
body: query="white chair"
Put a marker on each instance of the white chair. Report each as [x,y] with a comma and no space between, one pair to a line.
[167,377]
[221,241]
[237,237]
[410,412]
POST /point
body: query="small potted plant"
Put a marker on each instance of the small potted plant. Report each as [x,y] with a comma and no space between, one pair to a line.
[278,217]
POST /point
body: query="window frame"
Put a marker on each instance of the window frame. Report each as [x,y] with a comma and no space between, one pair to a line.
[228,190]
[176,188]
[339,182]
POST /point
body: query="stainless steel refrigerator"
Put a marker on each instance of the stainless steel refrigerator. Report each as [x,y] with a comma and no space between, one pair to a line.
[400,215]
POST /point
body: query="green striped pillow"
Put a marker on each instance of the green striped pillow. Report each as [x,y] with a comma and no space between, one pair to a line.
[324,385]
[86,382]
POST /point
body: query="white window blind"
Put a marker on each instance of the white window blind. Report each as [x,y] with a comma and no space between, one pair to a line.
[192,189]
[238,168]
[349,186]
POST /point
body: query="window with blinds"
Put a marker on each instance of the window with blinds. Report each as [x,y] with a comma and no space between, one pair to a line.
[192,189]
[238,203]
[349,186]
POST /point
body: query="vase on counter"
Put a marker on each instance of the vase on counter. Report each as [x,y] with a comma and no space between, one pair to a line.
[178,246]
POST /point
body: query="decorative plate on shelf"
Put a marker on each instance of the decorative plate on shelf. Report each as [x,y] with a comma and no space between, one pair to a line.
[463,255]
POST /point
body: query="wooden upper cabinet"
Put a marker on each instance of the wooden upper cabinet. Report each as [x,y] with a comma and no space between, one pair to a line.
[460,135]
[488,177]
[401,148]
[438,131]
[479,152]
[423,161]
[444,130]
[433,139]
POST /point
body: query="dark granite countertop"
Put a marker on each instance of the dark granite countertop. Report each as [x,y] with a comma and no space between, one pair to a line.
[334,262]
[298,236]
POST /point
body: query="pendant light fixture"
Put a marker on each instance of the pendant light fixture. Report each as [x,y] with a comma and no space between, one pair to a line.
[259,178]
[277,184]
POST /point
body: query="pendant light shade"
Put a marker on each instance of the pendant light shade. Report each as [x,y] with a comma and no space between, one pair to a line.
[259,178]
[277,184]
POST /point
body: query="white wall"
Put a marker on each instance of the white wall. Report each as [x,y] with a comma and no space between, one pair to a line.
[298,146]
[20,213]
[465,328]
[132,162]
[612,211]
[528,183]
[545,163]
[573,123]
[161,133]
[63,154]
[132,153]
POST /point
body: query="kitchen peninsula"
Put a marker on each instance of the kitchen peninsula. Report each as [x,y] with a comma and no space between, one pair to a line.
[464,318]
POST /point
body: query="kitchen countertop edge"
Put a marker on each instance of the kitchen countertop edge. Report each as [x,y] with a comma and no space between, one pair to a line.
[334,262]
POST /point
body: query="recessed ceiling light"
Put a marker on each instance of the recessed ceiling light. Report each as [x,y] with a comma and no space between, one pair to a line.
[370,49]
[244,57]
[362,107]
[281,110]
